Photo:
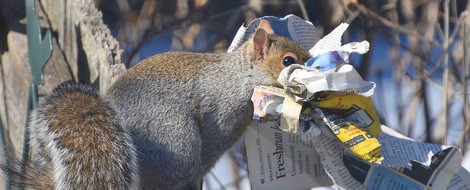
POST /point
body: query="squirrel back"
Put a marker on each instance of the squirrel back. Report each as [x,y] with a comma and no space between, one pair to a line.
[77,142]
[186,109]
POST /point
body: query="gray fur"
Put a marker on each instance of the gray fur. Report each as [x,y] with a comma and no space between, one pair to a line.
[78,143]
[186,109]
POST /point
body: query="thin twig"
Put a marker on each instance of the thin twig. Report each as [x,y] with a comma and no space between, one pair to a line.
[446,71]
[412,108]
[394,55]
[193,18]
[353,16]
[445,47]
[390,24]
[465,109]
[217,180]
[303,10]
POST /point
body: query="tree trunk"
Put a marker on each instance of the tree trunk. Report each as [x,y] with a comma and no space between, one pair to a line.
[83,51]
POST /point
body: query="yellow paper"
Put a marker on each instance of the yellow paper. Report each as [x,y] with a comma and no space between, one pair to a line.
[361,143]
[356,108]
[353,120]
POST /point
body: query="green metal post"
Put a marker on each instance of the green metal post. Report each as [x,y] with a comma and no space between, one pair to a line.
[39,51]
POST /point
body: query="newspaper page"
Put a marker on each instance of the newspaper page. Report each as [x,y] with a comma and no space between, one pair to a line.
[305,35]
[425,165]
[330,42]
[402,152]
[278,159]
[291,26]
[281,160]
[436,175]
[460,180]
[358,140]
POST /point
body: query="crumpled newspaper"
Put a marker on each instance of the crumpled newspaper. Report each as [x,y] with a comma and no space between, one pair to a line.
[328,105]
[353,121]
[332,42]
[302,82]
[282,27]
[330,91]
[328,69]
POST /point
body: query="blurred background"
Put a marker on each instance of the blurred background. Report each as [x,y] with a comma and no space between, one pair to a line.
[419,55]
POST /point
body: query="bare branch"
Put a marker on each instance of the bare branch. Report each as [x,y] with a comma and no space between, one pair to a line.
[392,25]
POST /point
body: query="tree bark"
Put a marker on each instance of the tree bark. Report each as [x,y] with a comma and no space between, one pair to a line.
[83,51]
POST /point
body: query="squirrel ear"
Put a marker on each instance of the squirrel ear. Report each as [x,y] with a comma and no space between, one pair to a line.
[264,24]
[260,45]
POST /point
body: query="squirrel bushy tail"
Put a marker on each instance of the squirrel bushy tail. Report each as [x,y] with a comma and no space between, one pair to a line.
[77,142]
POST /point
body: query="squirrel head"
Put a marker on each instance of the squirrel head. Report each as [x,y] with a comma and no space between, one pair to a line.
[272,53]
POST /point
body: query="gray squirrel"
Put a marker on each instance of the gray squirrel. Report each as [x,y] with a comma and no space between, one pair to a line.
[183,111]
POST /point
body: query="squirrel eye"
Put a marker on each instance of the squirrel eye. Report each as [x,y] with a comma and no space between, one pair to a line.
[289,60]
